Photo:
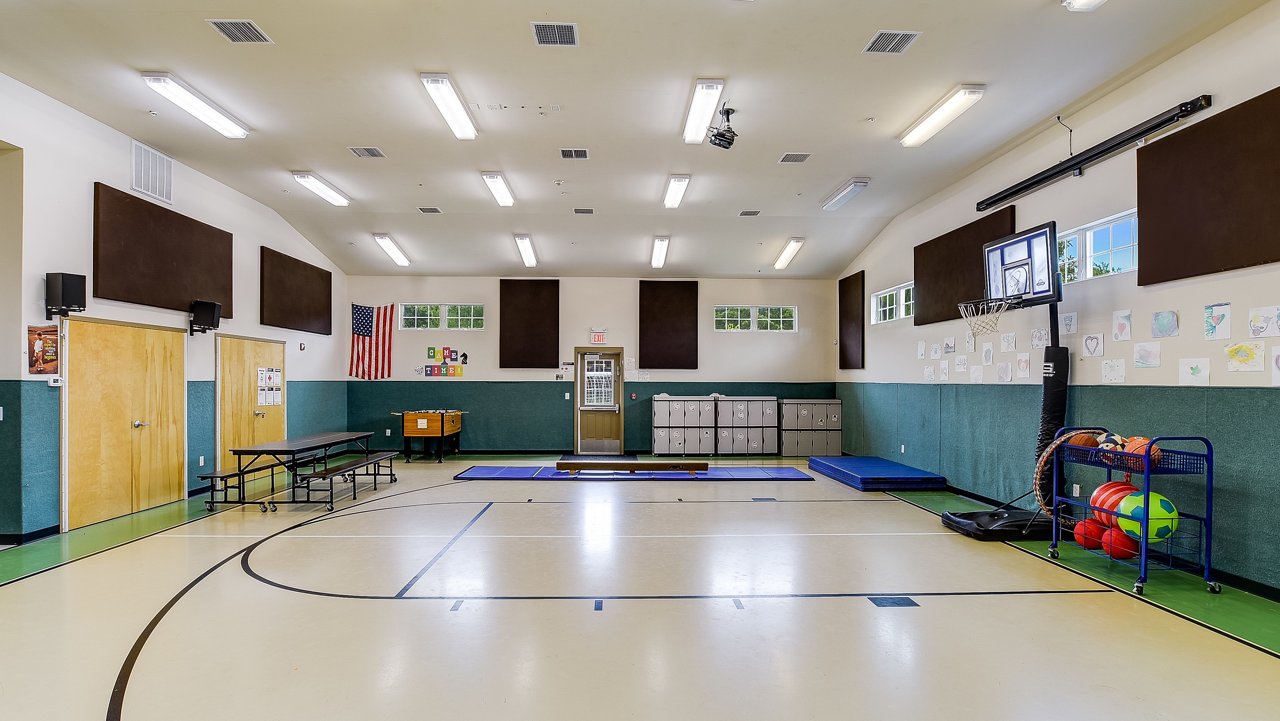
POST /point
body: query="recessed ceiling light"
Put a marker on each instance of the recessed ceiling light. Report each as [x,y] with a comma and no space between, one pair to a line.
[675,190]
[702,109]
[1082,6]
[784,258]
[525,245]
[449,103]
[202,108]
[659,257]
[498,186]
[320,187]
[845,193]
[939,116]
[389,247]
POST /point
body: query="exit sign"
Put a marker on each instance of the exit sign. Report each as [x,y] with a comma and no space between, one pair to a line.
[599,336]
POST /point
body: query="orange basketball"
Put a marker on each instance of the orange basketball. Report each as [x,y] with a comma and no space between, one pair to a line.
[1138,445]
[1088,440]
[1107,498]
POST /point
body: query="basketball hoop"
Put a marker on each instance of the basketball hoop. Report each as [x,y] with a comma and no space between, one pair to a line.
[983,316]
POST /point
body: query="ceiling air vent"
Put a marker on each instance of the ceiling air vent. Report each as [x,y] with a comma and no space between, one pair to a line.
[574,153]
[430,211]
[893,42]
[152,173]
[240,31]
[367,152]
[748,213]
[584,211]
[564,34]
[794,157]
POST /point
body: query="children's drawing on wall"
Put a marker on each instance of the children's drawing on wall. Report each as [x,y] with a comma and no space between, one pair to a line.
[929,373]
[988,354]
[1069,326]
[1193,371]
[1164,324]
[935,351]
[920,350]
[1246,356]
[1264,322]
[1039,338]
[1004,372]
[1146,355]
[962,364]
[1217,321]
[1275,365]
[1122,325]
[1008,342]
[970,343]
[1113,370]
[1093,345]
[949,344]
[944,371]
[975,374]
[1024,365]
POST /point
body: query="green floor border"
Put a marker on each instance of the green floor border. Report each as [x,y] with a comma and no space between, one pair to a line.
[1247,617]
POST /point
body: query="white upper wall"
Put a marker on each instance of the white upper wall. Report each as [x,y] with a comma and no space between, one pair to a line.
[613,304]
[1233,65]
[65,152]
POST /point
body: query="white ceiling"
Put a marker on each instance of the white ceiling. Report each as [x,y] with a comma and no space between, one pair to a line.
[344,73]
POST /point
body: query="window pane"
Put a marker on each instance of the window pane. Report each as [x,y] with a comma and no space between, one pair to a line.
[1101,239]
[1101,265]
[1122,234]
[787,324]
[1122,260]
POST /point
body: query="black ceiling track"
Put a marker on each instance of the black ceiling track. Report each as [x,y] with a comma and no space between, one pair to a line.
[1076,164]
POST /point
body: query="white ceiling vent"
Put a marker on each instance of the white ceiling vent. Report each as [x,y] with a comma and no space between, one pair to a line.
[574,153]
[794,157]
[562,34]
[748,213]
[892,42]
[152,173]
[430,210]
[367,152]
[584,211]
[240,31]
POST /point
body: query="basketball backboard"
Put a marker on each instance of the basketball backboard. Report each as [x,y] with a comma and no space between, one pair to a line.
[1023,267]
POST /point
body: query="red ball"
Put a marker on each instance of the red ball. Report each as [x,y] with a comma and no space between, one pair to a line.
[1089,533]
[1118,544]
[1107,498]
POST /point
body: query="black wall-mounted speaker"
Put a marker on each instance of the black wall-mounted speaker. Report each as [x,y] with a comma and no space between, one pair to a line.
[205,315]
[63,293]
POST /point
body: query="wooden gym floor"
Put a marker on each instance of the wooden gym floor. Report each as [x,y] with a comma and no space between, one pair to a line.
[587,600]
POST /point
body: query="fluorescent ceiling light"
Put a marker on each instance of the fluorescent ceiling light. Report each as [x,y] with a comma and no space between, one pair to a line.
[845,193]
[317,185]
[702,109]
[789,252]
[939,116]
[675,190]
[1082,6]
[186,97]
[526,251]
[450,104]
[659,258]
[498,186]
[391,249]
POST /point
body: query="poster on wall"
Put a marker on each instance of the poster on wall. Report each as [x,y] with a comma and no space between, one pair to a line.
[1217,321]
[42,350]
[443,362]
[1264,322]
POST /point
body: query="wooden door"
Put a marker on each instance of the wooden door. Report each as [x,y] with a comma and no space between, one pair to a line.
[126,419]
[598,400]
[242,419]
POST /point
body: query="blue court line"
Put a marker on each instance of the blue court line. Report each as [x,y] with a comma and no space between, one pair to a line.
[444,550]
[737,603]
[893,602]
[456,605]
[599,605]
[764,499]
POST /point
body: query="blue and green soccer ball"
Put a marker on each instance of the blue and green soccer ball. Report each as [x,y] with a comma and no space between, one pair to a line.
[1162,520]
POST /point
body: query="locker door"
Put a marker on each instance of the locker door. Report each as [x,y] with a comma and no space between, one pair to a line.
[833,416]
[770,441]
[707,414]
[661,441]
[740,439]
[676,417]
[805,416]
[770,413]
[724,441]
[661,413]
[739,414]
[755,440]
[755,413]
[724,413]
[790,415]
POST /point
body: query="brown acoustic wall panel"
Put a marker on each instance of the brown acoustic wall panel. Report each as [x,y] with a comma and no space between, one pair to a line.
[853,320]
[295,294]
[149,255]
[949,268]
[529,324]
[669,324]
[1209,195]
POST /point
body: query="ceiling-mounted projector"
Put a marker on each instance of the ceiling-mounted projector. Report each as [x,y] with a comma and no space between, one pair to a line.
[723,137]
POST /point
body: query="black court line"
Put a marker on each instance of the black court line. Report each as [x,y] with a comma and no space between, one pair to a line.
[443,551]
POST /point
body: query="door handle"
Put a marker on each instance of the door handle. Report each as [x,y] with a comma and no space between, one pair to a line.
[140,424]
[260,414]
[612,409]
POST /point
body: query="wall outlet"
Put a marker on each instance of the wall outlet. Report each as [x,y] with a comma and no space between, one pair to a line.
[903,449]
[388,432]
[566,396]
[201,464]
[1075,490]
[1,413]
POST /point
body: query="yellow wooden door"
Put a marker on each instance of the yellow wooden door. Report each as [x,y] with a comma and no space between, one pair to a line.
[242,419]
[598,396]
[126,419]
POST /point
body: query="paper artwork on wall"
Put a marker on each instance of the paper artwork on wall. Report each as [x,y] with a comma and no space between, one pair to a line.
[975,374]
[1217,321]
[1245,356]
[920,350]
[1193,371]
[1069,326]
[1164,324]
[1093,345]
[1264,322]
[944,371]
[970,343]
[988,354]
[935,351]
[1039,338]
[42,350]
[1275,365]
[1008,342]
[1004,372]
[962,363]
[929,373]
[1024,365]
[1146,355]
[949,344]
[1113,370]
[1121,325]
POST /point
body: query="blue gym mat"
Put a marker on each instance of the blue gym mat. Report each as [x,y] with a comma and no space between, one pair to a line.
[870,473]
[544,473]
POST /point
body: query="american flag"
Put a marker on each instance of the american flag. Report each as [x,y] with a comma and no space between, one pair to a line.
[371,341]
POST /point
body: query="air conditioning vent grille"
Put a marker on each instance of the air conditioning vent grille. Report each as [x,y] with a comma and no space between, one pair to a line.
[892,42]
[562,34]
[152,173]
[367,152]
[430,210]
[240,31]
[574,153]
[794,157]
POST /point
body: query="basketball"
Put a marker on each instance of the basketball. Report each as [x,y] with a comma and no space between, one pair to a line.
[1083,439]
[1118,545]
[1107,498]
[1110,442]
[1162,519]
[1138,445]
[1088,534]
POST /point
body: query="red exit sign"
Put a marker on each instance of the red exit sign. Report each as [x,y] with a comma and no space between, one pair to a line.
[599,337]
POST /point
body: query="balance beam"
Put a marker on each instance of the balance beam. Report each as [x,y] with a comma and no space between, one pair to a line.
[632,466]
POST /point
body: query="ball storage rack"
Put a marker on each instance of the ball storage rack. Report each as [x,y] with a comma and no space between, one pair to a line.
[1179,461]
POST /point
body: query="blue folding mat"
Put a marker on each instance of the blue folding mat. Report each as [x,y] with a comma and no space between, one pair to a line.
[871,473]
[545,473]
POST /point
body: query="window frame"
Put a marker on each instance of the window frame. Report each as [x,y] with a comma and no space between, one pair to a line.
[442,317]
[471,317]
[901,303]
[737,307]
[758,320]
[1084,246]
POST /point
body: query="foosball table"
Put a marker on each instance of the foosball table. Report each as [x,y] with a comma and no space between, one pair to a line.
[440,430]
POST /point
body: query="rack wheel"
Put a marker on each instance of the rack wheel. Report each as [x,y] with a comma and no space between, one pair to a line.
[1137,588]
[394,479]
[273,507]
[328,506]
[262,507]
[1214,587]
[1053,553]
[208,506]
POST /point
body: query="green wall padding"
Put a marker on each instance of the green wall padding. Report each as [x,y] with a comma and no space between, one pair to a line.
[41,456]
[202,439]
[317,407]
[11,459]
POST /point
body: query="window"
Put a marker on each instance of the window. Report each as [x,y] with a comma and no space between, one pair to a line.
[893,303]
[1108,246]
[733,317]
[429,316]
[776,317]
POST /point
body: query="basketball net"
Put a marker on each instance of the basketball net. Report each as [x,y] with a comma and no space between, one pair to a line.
[983,316]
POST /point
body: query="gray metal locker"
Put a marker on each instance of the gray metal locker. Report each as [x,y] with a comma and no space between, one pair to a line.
[755,440]
[770,413]
[770,441]
[790,415]
[693,440]
[677,414]
[691,410]
[707,413]
[755,413]
[740,439]
[835,443]
[724,412]
[804,416]
[804,443]
[661,441]
[789,442]
[677,446]
[818,440]
[706,441]
[677,436]
[833,416]
[819,416]
[661,413]
[724,441]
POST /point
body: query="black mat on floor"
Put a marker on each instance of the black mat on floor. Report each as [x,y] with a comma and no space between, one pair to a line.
[572,457]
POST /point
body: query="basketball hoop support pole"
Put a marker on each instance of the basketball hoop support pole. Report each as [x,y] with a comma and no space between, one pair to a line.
[1053,324]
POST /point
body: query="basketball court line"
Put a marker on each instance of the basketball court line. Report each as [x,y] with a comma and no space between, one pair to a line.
[442,551]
